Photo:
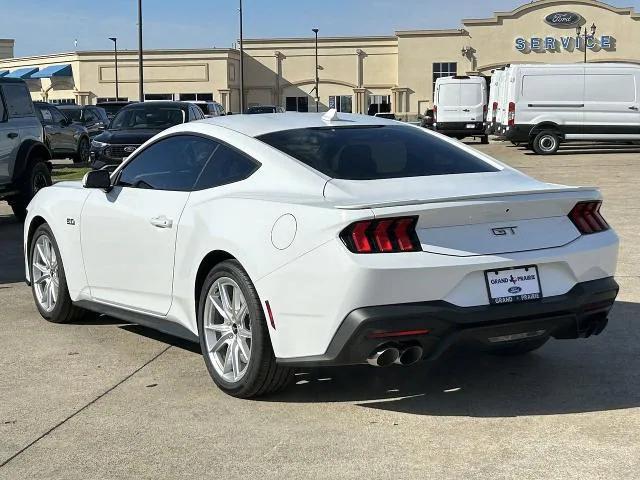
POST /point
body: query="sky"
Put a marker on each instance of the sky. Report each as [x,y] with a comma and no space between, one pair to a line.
[50,26]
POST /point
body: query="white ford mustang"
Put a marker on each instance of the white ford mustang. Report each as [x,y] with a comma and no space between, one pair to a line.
[278,241]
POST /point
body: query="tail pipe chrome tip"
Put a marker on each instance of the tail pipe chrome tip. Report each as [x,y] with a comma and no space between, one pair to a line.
[409,355]
[383,357]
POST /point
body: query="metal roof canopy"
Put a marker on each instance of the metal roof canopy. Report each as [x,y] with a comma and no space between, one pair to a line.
[25,72]
[54,71]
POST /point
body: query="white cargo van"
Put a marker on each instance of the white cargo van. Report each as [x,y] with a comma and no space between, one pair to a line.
[551,104]
[460,107]
[494,96]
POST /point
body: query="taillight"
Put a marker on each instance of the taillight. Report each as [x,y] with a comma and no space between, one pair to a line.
[387,235]
[587,218]
[494,111]
[484,113]
[511,119]
[435,113]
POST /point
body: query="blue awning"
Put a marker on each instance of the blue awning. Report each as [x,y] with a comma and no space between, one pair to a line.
[3,73]
[54,71]
[23,72]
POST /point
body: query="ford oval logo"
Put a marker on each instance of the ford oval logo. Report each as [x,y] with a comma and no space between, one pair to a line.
[515,290]
[129,149]
[563,19]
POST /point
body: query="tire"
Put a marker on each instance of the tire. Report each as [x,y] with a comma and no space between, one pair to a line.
[519,348]
[43,260]
[546,143]
[485,140]
[260,374]
[36,177]
[82,154]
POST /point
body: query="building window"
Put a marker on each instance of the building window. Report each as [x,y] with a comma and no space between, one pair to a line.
[342,103]
[111,99]
[446,69]
[158,96]
[378,104]
[203,97]
[297,104]
[63,101]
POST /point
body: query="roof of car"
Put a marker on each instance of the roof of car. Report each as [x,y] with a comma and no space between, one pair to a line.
[256,125]
[160,103]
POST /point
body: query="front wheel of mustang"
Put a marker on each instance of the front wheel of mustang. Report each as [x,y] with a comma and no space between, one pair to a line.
[234,336]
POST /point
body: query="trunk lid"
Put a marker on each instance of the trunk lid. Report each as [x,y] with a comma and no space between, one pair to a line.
[471,214]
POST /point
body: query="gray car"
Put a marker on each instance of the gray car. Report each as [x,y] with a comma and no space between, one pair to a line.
[24,158]
[64,138]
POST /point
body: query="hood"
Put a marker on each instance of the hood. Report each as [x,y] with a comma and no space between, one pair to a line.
[437,188]
[136,137]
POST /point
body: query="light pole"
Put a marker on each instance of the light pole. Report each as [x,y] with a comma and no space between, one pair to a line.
[586,36]
[115,53]
[140,72]
[241,64]
[315,30]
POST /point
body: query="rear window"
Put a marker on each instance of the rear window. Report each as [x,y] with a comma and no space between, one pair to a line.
[375,152]
[470,94]
[449,94]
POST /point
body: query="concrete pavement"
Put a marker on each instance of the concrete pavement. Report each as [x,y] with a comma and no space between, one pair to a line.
[100,399]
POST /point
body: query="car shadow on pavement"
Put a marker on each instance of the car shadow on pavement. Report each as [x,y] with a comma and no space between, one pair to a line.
[596,374]
[12,266]
[592,150]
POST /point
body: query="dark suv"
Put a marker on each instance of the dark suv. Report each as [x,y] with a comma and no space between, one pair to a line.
[135,124]
[24,159]
[93,118]
[64,138]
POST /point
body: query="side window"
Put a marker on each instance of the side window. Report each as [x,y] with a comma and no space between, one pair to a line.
[173,163]
[89,117]
[45,115]
[18,100]
[226,166]
[2,110]
[57,116]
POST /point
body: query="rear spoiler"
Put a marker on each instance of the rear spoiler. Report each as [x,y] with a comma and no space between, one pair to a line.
[403,203]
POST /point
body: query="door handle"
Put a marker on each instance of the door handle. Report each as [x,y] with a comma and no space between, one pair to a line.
[12,135]
[161,222]
[466,110]
[633,108]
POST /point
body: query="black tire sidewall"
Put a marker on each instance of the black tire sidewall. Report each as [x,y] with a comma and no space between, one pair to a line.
[63,300]
[261,350]
[78,157]
[537,141]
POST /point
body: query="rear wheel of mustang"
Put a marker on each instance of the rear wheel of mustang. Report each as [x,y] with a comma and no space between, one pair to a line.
[520,348]
[234,336]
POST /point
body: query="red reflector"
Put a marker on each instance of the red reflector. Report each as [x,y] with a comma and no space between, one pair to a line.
[587,218]
[271,321]
[359,237]
[381,235]
[402,234]
[400,333]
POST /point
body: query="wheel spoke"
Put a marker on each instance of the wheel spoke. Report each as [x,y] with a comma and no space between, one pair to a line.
[220,342]
[226,302]
[244,349]
[243,332]
[235,360]
[43,268]
[49,294]
[218,327]
[43,257]
[219,308]
[43,278]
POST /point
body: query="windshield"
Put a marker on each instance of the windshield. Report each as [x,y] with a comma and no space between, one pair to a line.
[261,110]
[111,109]
[72,113]
[375,152]
[147,116]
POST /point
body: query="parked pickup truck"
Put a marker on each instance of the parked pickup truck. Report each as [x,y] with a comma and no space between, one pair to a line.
[24,159]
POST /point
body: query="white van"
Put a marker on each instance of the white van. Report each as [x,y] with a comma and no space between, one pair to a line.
[460,107]
[551,104]
[494,96]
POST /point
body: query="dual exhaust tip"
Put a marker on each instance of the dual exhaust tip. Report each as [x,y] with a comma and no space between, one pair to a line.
[385,356]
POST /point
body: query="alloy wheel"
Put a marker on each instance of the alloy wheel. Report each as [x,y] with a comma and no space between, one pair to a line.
[547,143]
[227,329]
[39,181]
[44,272]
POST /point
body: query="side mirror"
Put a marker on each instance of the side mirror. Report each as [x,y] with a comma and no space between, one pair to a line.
[97,179]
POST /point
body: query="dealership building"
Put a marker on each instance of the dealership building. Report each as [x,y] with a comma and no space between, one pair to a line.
[357,74]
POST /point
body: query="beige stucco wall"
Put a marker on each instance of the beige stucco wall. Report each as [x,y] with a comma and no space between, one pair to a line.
[6,47]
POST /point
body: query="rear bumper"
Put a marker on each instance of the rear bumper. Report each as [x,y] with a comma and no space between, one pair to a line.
[580,312]
[460,128]
[518,133]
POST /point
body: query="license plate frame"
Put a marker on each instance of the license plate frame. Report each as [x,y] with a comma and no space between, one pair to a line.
[530,294]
